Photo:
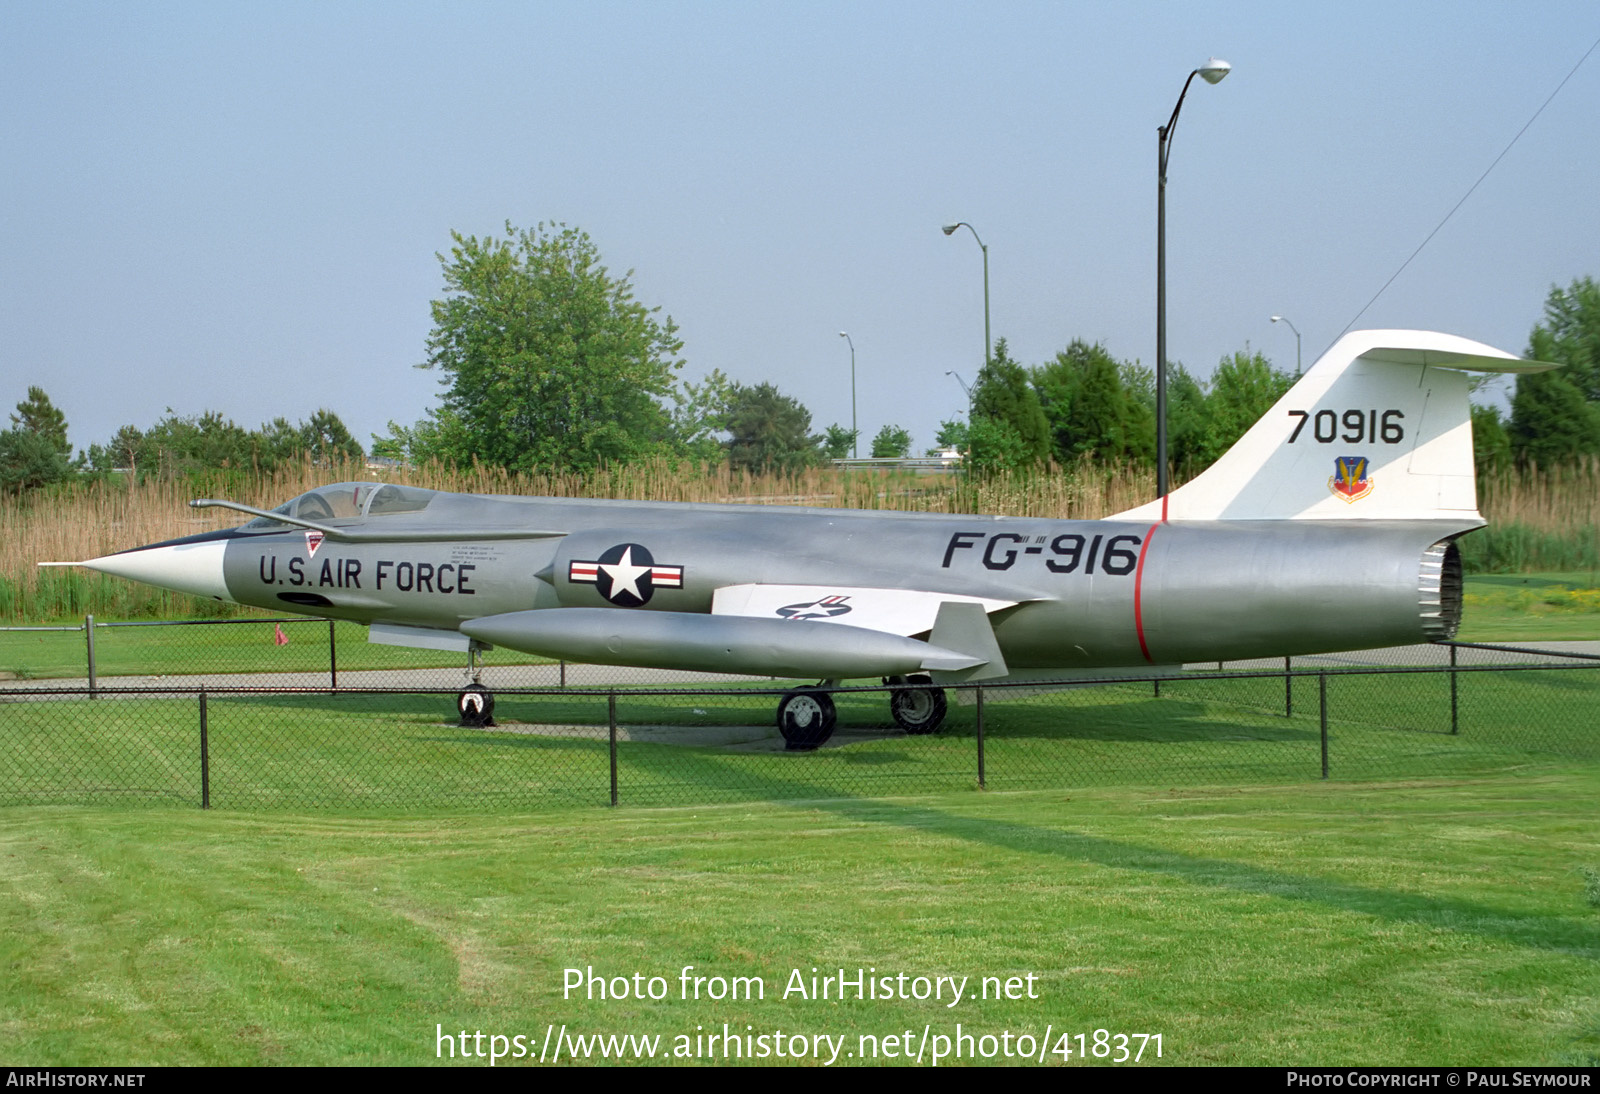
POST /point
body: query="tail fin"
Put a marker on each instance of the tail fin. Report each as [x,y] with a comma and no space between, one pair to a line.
[1378,429]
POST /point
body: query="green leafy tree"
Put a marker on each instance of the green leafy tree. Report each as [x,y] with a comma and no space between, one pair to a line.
[1188,451]
[1004,398]
[1555,416]
[891,443]
[37,415]
[1084,401]
[952,434]
[549,362]
[770,431]
[1491,444]
[837,442]
[1243,389]
[29,460]
[700,416]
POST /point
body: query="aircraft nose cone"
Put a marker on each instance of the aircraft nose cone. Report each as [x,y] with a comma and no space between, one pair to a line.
[194,568]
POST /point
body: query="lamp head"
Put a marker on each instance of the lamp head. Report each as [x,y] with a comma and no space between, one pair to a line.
[950,229]
[1214,70]
[844,334]
[1276,318]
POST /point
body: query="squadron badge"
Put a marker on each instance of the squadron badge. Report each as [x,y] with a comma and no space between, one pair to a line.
[627,575]
[1350,481]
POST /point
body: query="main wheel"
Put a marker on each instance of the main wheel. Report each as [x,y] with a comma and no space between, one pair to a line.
[805,718]
[918,710]
[475,704]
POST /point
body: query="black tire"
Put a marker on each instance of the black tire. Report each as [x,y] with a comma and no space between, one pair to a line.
[918,710]
[806,718]
[475,704]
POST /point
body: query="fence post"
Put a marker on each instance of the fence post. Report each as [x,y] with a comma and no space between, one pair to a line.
[333,660]
[1288,690]
[563,674]
[611,719]
[88,637]
[1454,726]
[1322,699]
[205,758]
[981,784]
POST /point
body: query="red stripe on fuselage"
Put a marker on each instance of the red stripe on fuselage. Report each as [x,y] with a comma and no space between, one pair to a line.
[1138,590]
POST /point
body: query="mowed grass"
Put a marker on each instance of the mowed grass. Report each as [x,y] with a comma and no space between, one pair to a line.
[1419,922]
[1532,608]
[232,646]
[389,750]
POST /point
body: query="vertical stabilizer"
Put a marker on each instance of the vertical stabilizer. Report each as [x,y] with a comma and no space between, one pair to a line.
[1378,429]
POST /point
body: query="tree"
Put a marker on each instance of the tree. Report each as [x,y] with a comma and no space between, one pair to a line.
[1020,433]
[1243,389]
[771,431]
[37,415]
[549,362]
[1491,444]
[837,441]
[952,434]
[891,443]
[700,416]
[1555,416]
[29,460]
[1088,410]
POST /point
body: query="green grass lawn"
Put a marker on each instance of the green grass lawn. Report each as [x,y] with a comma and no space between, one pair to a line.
[1531,608]
[1432,921]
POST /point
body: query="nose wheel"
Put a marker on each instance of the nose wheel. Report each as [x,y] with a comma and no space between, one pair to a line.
[806,718]
[474,702]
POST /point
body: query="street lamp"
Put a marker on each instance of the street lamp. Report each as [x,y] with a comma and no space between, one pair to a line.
[855,434]
[1211,72]
[949,229]
[964,387]
[1284,319]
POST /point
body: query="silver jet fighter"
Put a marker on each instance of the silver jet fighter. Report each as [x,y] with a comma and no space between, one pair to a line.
[1331,525]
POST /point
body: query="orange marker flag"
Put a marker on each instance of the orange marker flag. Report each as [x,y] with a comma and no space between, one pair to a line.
[278,637]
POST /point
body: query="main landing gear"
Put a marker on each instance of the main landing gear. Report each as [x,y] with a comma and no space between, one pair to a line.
[806,716]
[475,703]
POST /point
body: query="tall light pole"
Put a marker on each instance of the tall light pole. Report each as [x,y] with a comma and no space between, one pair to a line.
[965,388]
[855,434]
[1285,319]
[949,229]
[1211,72]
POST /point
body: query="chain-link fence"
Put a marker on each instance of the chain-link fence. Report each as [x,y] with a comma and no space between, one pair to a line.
[622,735]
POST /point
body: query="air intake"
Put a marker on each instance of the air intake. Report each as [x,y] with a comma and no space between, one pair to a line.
[1439,591]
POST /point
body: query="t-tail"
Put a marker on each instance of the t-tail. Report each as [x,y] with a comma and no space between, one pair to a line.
[1379,428]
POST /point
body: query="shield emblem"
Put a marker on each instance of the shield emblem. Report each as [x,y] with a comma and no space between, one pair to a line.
[1350,480]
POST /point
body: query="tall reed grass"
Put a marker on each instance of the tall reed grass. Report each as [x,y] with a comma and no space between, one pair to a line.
[1539,520]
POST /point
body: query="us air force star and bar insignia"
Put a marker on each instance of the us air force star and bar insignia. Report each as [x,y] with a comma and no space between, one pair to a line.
[1350,480]
[626,575]
[826,608]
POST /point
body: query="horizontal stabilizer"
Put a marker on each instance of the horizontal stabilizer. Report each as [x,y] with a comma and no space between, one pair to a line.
[897,611]
[711,643]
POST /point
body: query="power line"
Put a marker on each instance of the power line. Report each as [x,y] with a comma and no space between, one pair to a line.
[1468,194]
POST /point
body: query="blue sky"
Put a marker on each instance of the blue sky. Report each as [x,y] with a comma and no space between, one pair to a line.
[238,207]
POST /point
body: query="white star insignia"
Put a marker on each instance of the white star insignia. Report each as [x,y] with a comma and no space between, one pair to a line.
[625,575]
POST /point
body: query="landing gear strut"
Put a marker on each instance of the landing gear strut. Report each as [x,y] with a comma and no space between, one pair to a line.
[918,710]
[806,717]
[475,703]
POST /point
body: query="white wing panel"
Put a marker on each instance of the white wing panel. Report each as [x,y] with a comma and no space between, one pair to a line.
[896,611]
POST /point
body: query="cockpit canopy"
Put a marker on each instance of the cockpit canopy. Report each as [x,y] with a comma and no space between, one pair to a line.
[346,501]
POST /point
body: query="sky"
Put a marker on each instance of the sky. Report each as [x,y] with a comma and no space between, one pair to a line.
[240,207]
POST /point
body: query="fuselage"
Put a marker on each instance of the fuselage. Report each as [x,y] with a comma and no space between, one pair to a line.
[1080,594]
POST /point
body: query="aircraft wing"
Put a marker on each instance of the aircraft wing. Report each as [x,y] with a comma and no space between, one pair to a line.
[894,611]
